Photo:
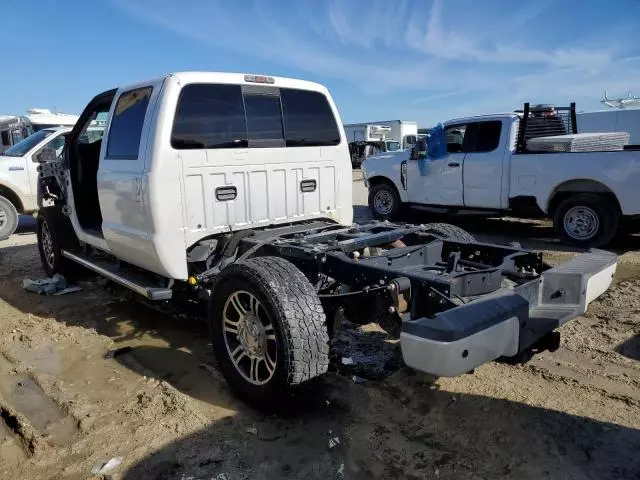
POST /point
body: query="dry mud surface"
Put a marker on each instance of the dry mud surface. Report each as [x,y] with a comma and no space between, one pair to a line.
[68,404]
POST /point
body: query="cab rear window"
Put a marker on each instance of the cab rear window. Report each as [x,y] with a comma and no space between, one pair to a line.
[234,116]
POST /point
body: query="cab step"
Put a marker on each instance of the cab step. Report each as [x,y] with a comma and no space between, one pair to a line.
[132,280]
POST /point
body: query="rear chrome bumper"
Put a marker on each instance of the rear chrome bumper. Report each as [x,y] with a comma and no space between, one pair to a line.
[507,321]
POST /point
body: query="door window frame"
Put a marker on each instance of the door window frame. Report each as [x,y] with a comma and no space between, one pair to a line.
[114,107]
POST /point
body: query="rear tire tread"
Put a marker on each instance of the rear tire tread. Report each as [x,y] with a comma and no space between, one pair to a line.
[308,335]
[451,232]
[296,313]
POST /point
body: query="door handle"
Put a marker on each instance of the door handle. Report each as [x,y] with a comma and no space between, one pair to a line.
[226,193]
[308,185]
[454,164]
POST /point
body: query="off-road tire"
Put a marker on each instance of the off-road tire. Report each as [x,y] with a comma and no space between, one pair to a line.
[391,193]
[446,231]
[53,223]
[607,214]
[297,316]
[9,218]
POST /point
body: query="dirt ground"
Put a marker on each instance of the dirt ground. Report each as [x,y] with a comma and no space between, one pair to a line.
[73,397]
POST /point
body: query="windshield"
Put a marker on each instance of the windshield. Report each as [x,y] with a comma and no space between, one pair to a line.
[22,148]
[393,146]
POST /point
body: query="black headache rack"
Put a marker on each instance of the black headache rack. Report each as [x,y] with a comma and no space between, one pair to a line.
[437,287]
[544,121]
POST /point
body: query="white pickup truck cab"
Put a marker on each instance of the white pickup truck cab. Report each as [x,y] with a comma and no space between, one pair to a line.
[19,175]
[234,191]
[588,195]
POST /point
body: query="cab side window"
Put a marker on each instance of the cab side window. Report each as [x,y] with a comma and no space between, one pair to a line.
[474,137]
[486,136]
[126,124]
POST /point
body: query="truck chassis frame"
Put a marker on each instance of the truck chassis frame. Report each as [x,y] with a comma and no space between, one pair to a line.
[433,289]
[454,302]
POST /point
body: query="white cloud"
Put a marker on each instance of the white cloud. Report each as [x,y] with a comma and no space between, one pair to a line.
[265,36]
[439,41]
[451,64]
[380,23]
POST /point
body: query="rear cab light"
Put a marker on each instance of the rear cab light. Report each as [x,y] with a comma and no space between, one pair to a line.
[259,79]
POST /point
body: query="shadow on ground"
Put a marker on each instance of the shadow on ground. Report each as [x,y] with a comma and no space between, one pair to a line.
[405,428]
[630,348]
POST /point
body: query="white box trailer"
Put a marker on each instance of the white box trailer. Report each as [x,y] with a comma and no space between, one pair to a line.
[363,132]
[618,120]
[403,131]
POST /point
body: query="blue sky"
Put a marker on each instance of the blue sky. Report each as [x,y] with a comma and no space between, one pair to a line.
[424,60]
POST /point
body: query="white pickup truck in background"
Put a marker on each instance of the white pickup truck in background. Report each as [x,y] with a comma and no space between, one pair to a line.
[19,175]
[486,171]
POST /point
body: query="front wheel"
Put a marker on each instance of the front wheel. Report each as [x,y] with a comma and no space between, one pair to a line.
[55,234]
[8,218]
[268,329]
[384,201]
[586,220]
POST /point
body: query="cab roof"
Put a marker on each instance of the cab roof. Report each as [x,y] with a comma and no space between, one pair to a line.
[478,118]
[238,78]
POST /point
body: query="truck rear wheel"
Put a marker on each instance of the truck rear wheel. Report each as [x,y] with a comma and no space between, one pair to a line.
[446,231]
[8,218]
[586,220]
[268,329]
[384,201]
[55,234]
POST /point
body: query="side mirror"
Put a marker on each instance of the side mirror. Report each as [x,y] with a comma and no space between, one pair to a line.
[46,155]
[419,150]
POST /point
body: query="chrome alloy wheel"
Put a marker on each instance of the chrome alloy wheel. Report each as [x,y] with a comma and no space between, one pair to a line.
[249,337]
[47,245]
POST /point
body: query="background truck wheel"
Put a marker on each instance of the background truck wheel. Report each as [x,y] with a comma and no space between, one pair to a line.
[8,218]
[384,201]
[450,232]
[55,233]
[586,220]
[268,329]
